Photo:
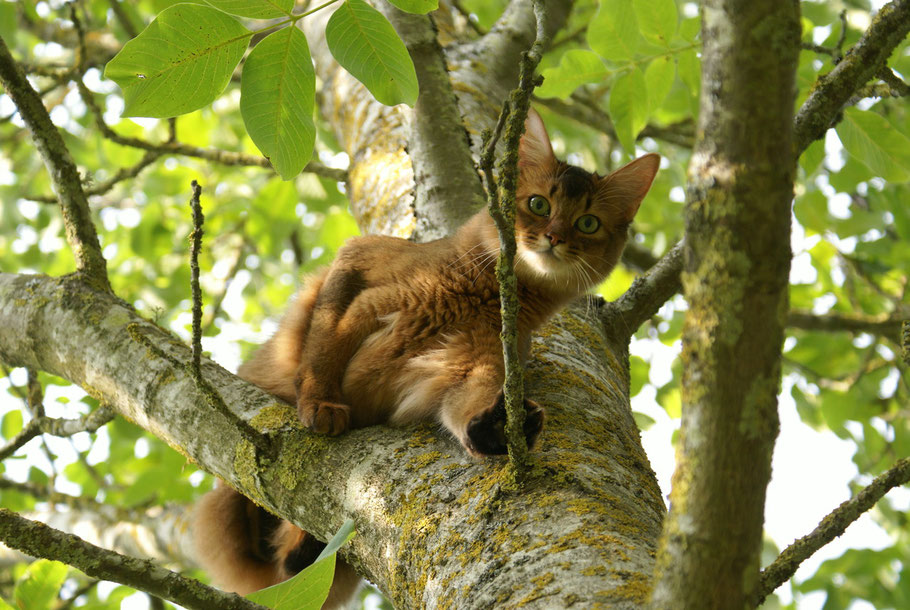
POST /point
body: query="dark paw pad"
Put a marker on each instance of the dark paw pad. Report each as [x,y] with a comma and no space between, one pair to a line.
[486,432]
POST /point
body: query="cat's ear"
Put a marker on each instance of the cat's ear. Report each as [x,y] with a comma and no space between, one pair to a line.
[534,149]
[627,186]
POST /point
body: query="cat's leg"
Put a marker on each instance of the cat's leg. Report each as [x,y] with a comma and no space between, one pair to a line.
[473,405]
[345,313]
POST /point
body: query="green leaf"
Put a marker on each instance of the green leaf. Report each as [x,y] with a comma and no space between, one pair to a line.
[418,7]
[613,33]
[629,107]
[642,420]
[576,68]
[310,587]
[659,77]
[255,9]
[690,71]
[12,424]
[38,587]
[277,92]
[871,139]
[181,62]
[367,46]
[657,20]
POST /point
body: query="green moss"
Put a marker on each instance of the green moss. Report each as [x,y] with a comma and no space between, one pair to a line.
[274,417]
[245,466]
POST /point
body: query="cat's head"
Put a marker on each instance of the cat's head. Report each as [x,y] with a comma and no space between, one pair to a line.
[571,225]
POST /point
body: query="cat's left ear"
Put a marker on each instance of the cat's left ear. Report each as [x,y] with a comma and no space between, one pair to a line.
[627,186]
[534,149]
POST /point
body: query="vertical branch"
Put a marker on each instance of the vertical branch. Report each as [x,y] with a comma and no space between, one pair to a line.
[195,245]
[735,280]
[501,201]
[80,230]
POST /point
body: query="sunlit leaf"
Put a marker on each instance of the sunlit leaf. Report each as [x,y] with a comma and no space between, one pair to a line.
[181,62]
[629,107]
[255,9]
[38,587]
[277,91]
[419,7]
[367,46]
[871,139]
[657,20]
[613,33]
[577,67]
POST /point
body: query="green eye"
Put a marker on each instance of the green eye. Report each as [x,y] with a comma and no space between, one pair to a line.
[587,223]
[539,205]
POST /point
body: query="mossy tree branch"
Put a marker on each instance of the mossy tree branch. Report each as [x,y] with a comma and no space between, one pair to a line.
[417,499]
[39,540]
[80,229]
[735,280]
[832,526]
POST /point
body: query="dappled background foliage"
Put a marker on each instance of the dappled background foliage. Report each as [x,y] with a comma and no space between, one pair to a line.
[620,76]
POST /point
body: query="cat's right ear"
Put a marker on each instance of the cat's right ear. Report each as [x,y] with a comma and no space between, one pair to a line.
[534,149]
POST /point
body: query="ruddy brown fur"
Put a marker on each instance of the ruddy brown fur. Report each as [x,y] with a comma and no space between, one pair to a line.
[396,332]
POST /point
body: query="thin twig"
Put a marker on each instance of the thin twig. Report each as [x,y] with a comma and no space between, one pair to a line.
[57,427]
[124,173]
[39,540]
[833,525]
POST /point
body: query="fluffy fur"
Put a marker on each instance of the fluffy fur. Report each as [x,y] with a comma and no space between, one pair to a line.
[396,332]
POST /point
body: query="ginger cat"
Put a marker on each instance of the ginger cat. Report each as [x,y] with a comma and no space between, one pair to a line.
[397,332]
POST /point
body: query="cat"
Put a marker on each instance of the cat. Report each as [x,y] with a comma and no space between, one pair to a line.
[398,332]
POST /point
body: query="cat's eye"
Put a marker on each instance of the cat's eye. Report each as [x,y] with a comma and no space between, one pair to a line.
[587,223]
[539,205]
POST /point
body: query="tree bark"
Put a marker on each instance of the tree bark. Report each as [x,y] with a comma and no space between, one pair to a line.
[735,280]
[434,526]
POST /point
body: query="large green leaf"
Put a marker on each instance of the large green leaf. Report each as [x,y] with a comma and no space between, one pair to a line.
[277,91]
[182,61]
[38,587]
[310,587]
[613,33]
[419,7]
[657,20]
[871,139]
[577,67]
[367,46]
[629,107]
[255,9]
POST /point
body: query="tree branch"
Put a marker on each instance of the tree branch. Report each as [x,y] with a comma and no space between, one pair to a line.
[887,325]
[57,427]
[861,63]
[832,526]
[412,493]
[39,540]
[437,140]
[646,295]
[80,230]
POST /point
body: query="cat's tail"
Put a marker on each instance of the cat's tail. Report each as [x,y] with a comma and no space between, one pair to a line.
[245,548]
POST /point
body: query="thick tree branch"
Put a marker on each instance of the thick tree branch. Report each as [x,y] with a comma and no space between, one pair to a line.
[39,540]
[415,496]
[861,63]
[80,230]
[832,526]
[646,295]
[438,146]
[735,280]
[864,61]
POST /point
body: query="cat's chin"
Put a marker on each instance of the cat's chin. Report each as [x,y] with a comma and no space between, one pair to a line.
[546,269]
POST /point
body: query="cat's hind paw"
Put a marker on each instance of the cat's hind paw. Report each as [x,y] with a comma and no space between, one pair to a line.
[324,417]
[486,433]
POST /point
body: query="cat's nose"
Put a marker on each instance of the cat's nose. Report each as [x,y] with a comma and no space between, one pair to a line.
[555,238]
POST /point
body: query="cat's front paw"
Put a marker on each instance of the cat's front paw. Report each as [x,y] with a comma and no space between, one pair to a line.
[486,434]
[324,417]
